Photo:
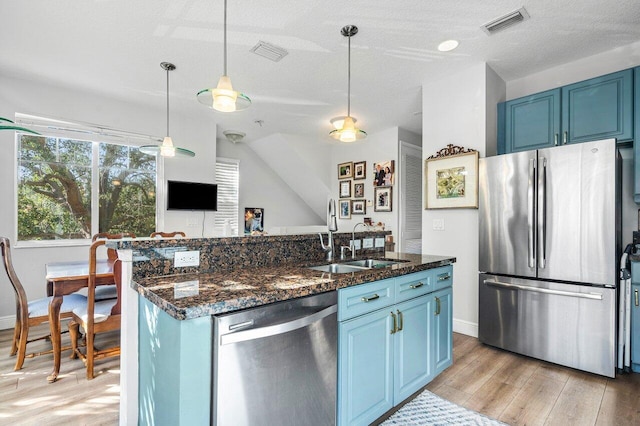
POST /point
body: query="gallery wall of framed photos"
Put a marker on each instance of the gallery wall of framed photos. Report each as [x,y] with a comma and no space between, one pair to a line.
[353,181]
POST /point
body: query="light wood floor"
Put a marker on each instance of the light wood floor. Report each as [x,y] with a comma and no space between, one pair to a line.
[514,389]
[27,399]
[522,391]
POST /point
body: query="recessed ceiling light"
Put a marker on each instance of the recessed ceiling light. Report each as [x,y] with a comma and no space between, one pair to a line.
[447,46]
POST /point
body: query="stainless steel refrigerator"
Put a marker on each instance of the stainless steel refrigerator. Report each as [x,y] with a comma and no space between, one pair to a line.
[549,225]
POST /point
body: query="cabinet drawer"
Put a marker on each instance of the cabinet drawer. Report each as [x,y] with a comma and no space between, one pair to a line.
[413,285]
[442,277]
[363,298]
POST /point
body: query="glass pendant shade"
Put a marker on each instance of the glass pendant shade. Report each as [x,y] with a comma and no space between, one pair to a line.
[223,98]
[167,149]
[348,132]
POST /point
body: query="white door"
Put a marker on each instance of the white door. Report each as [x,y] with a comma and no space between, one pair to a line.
[410,235]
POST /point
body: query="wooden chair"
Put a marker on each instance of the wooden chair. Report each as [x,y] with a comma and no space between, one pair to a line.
[96,316]
[31,313]
[168,234]
[105,292]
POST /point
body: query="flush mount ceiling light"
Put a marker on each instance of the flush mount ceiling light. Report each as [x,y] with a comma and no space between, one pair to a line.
[234,136]
[223,98]
[167,149]
[448,45]
[347,132]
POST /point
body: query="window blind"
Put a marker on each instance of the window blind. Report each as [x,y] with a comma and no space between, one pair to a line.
[228,180]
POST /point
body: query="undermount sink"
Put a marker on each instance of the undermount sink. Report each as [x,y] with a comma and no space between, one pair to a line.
[372,263]
[338,268]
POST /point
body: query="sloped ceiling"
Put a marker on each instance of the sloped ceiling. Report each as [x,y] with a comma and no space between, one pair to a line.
[115,47]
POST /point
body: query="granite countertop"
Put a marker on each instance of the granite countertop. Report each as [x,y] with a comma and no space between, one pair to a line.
[187,296]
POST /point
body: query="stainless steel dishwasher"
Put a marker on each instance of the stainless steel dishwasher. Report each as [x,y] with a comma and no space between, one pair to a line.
[277,364]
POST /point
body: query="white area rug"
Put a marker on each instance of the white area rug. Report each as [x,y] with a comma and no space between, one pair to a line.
[429,409]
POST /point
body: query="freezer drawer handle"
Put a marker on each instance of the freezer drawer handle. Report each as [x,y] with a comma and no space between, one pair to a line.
[415,286]
[366,299]
[636,294]
[594,296]
[273,330]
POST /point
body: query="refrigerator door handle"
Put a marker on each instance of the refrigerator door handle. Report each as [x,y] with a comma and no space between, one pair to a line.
[531,249]
[595,296]
[542,212]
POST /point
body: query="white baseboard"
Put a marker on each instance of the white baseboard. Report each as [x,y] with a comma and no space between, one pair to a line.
[8,322]
[465,327]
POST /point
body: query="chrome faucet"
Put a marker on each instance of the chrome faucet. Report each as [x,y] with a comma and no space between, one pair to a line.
[332,226]
[352,244]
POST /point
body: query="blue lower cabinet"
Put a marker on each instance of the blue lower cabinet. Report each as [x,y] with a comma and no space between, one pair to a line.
[389,352]
[412,346]
[442,345]
[365,373]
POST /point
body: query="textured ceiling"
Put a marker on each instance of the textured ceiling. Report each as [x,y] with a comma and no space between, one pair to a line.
[115,47]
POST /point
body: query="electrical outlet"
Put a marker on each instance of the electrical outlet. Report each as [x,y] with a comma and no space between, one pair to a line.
[438,224]
[355,244]
[367,243]
[380,242]
[186,258]
[192,221]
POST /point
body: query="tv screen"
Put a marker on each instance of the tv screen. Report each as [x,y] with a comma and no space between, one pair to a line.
[191,196]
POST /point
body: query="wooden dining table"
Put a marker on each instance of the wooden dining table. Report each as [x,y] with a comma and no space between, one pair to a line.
[65,278]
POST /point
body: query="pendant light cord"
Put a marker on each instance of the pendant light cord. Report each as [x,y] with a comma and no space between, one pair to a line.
[225,37]
[167,101]
[348,79]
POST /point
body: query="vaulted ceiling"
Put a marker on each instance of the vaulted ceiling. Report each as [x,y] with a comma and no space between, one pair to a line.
[114,47]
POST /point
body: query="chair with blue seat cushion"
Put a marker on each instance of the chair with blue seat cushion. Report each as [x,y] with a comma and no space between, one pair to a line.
[96,316]
[105,292]
[31,313]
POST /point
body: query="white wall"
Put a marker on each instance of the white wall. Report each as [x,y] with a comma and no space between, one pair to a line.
[42,99]
[260,186]
[455,111]
[377,147]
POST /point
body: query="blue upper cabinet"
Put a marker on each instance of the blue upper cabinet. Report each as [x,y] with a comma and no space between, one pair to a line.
[531,122]
[598,108]
[636,144]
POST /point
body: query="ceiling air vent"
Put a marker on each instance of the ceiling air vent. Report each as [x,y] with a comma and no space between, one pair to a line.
[505,21]
[269,51]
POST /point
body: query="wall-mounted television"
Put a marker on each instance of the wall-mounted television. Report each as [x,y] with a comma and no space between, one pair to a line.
[191,196]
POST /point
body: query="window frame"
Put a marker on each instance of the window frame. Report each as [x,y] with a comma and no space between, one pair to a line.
[218,216]
[96,136]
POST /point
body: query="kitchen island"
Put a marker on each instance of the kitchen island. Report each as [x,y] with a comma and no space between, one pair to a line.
[173,312]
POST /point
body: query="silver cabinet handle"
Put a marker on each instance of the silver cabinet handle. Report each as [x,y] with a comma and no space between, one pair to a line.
[437,306]
[414,286]
[531,249]
[636,294]
[273,330]
[542,211]
[366,299]
[565,137]
[395,323]
[555,139]
[444,277]
[400,320]
[594,296]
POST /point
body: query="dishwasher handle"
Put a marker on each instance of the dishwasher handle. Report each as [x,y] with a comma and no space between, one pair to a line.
[273,330]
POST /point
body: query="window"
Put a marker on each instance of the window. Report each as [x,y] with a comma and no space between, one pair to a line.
[227,178]
[70,189]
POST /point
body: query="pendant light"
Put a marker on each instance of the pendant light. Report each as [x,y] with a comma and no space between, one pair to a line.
[167,149]
[223,98]
[346,130]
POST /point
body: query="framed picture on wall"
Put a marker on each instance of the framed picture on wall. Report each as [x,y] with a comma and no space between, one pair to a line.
[360,170]
[345,189]
[253,220]
[383,173]
[358,190]
[344,209]
[358,207]
[452,181]
[345,170]
[382,199]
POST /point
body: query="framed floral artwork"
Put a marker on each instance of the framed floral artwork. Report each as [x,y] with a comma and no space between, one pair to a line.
[452,181]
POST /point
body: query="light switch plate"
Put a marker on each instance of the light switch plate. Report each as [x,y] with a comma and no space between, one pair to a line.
[367,243]
[438,224]
[380,242]
[186,258]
